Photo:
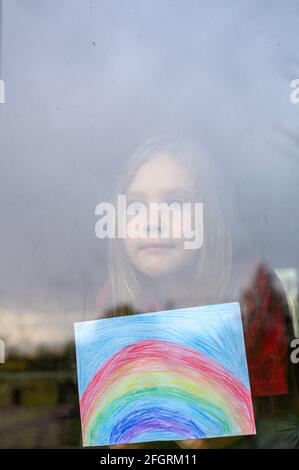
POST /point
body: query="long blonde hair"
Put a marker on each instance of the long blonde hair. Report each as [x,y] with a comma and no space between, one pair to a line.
[212,276]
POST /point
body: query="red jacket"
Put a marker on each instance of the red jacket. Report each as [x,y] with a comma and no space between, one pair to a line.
[264,311]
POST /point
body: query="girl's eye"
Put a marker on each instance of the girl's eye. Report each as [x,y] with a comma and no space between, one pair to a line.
[176,204]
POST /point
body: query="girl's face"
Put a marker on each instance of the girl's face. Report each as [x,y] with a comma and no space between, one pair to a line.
[160,180]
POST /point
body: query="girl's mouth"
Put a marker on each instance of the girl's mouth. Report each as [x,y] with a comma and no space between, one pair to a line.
[156,247]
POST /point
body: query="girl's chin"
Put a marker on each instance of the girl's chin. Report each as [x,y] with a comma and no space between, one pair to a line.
[161,266]
[157,274]
[157,271]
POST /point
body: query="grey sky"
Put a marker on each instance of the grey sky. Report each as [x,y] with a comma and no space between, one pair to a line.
[88,81]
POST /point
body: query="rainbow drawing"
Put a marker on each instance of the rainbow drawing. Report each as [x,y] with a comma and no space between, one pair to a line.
[171,375]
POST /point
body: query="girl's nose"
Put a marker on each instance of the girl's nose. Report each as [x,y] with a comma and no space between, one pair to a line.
[153,228]
[157,224]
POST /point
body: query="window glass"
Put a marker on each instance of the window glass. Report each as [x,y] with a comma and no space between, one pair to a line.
[179,103]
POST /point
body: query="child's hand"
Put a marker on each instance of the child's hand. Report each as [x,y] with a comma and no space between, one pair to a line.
[215,443]
[192,444]
[140,445]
